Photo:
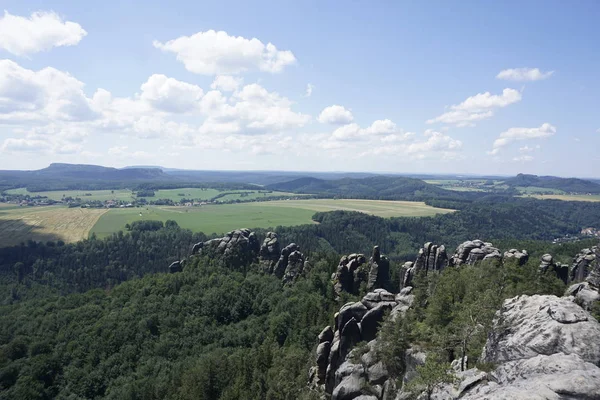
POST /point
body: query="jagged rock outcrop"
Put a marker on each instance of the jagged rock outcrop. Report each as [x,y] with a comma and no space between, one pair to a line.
[585,272]
[270,251]
[379,271]
[513,254]
[547,265]
[431,257]
[240,241]
[543,347]
[290,262]
[472,251]
[356,322]
[586,266]
[176,266]
[351,272]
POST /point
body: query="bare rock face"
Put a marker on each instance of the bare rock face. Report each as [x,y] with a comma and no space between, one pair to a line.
[379,271]
[544,347]
[548,266]
[176,266]
[356,322]
[473,251]
[351,272]
[295,266]
[586,266]
[238,247]
[527,326]
[431,257]
[270,251]
[513,254]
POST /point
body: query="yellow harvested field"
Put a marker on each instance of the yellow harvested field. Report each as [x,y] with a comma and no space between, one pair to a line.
[46,223]
[567,197]
[381,208]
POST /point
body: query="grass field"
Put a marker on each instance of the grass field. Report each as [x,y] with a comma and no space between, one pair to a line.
[535,189]
[128,195]
[226,217]
[567,197]
[101,195]
[46,223]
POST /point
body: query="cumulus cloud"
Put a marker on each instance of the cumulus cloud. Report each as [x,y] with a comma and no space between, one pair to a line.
[354,131]
[430,145]
[309,89]
[226,83]
[212,53]
[476,108]
[47,94]
[170,95]
[523,74]
[515,134]
[42,31]
[335,115]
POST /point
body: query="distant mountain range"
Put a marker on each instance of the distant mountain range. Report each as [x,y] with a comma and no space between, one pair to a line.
[571,185]
[350,184]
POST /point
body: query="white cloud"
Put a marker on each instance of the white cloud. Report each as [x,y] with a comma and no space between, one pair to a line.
[123,152]
[514,134]
[24,145]
[335,115]
[211,53]
[523,158]
[309,89]
[47,94]
[476,108]
[354,131]
[40,32]
[523,74]
[227,83]
[170,95]
[437,145]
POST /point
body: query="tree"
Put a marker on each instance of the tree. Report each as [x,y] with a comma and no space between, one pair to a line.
[431,375]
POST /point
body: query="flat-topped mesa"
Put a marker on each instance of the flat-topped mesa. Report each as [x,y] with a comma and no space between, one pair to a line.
[431,257]
[350,273]
[472,251]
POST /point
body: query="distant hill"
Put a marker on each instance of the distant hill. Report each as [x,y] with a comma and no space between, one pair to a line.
[571,185]
[376,187]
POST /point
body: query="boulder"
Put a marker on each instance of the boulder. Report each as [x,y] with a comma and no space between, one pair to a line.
[295,266]
[584,294]
[528,326]
[369,325]
[326,335]
[197,247]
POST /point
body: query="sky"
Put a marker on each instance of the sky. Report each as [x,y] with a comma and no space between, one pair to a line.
[440,87]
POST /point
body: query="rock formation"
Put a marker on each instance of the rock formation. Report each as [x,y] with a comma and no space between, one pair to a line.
[431,257]
[270,251]
[513,254]
[586,268]
[542,347]
[176,266]
[240,240]
[350,273]
[472,251]
[379,271]
[547,265]
[356,322]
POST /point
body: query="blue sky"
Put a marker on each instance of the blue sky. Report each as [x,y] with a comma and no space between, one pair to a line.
[407,87]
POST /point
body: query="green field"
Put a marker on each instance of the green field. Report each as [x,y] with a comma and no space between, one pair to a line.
[535,189]
[226,217]
[171,194]
[567,197]
[101,195]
